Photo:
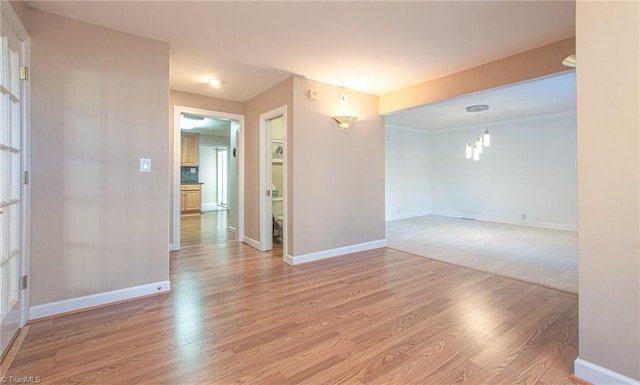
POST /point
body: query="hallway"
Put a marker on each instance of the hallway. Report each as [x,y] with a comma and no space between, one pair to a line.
[209,227]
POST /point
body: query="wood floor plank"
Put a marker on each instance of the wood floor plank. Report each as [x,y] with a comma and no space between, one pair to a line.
[240,316]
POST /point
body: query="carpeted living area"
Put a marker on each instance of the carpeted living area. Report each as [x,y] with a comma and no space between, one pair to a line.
[541,256]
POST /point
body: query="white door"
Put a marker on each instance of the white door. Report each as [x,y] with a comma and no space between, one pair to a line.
[11,201]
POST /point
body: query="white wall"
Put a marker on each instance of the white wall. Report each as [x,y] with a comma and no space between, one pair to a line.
[214,140]
[408,173]
[529,169]
[208,165]
[207,173]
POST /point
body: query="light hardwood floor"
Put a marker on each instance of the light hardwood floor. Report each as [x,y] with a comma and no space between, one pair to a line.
[208,227]
[240,316]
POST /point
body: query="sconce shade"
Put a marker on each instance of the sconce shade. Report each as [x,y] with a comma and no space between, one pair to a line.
[344,122]
[570,61]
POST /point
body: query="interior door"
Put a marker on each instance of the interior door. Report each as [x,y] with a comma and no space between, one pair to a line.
[11,201]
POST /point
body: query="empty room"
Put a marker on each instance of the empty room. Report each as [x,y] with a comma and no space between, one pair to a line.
[510,127]
[510,210]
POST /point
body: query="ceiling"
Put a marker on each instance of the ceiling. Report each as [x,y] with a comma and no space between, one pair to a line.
[371,46]
[208,125]
[550,95]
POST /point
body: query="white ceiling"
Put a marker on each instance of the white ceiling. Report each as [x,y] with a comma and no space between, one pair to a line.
[371,46]
[210,126]
[550,95]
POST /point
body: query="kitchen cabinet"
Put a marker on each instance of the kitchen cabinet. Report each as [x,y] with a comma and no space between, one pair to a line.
[191,198]
[189,149]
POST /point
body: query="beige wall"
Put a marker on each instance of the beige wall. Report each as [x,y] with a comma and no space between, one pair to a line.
[608,105]
[335,182]
[338,177]
[185,99]
[20,8]
[527,65]
[99,103]
[278,96]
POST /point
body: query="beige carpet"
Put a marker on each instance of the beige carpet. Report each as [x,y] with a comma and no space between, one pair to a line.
[540,256]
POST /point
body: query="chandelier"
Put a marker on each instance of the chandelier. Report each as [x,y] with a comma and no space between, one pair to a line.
[474,124]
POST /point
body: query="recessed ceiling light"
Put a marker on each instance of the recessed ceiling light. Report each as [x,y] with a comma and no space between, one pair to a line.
[216,83]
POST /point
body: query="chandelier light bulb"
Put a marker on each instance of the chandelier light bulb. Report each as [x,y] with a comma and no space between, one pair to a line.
[479,144]
[476,153]
[469,151]
[486,138]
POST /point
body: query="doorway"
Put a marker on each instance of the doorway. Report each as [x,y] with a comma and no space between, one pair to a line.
[207,182]
[273,180]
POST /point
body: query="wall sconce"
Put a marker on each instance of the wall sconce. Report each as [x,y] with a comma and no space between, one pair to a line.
[344,122]
[570,61]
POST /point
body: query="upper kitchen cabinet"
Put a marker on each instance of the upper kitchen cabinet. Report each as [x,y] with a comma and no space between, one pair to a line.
[189,156]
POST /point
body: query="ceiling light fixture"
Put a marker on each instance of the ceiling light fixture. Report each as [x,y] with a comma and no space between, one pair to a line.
[344,121]
[216,83]
[482,139]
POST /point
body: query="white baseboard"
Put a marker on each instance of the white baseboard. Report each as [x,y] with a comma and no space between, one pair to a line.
[543,225]
[406,215]
[598,375]
[89,301]
[251,242]
[291,260]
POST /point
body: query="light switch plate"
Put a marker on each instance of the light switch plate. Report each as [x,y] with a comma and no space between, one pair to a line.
[145,165]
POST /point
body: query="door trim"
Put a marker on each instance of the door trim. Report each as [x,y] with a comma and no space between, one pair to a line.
[26,188]
[177,110]
[265,161]
[9,14]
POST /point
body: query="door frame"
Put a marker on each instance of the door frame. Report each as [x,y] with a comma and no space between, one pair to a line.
[9,14]
[265,161]
[177,150]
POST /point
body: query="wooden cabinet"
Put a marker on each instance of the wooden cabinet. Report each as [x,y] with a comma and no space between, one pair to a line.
[190,199]
[189,149]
